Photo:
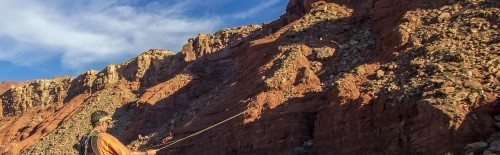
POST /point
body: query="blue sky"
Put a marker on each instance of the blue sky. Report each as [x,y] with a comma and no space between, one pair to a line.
[60,37]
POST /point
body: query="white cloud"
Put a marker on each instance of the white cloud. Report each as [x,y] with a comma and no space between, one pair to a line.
[95,31]
[82,33]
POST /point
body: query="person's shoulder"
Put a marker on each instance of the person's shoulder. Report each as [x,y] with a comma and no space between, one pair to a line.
[105,135]
[107,138]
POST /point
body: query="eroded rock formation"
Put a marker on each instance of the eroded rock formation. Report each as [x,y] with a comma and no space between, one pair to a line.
[328,77]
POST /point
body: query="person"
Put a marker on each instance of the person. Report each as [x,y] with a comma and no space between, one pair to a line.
[99,142]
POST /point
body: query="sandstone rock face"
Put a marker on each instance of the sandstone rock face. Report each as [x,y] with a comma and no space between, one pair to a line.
[209,43]
[328,77]
[134,71]
[6,85]
[17,100]
[47,103]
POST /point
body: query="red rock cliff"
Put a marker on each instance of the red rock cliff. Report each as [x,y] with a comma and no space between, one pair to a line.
[328,77]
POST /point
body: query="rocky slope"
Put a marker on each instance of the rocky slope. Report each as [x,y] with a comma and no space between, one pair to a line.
[328,77]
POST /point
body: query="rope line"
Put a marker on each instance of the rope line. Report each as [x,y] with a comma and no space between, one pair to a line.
[197,133]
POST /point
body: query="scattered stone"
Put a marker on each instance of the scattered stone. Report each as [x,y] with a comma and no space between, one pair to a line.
[495,143]
[380,74]
[477,145]
[444,17]
[353,42]
[323,52]
[360,71]
[472,97]
[448,90]
[393,66]
[476,72]
[473,84]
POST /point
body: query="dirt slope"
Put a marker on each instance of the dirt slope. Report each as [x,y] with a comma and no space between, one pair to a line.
[328,77]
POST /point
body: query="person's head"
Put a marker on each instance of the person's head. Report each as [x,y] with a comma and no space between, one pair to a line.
[100,119]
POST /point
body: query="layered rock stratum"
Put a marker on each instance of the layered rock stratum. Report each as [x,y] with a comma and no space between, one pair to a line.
[327,77]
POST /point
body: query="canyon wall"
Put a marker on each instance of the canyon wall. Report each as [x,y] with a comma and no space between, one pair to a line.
[327,77]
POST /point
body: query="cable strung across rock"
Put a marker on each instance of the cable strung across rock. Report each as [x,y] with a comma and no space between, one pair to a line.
[196,133]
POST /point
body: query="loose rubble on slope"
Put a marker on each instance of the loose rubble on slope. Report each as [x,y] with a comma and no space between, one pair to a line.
[322,78]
